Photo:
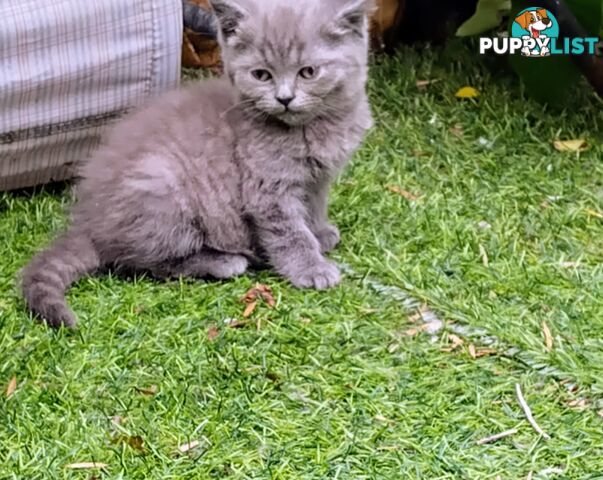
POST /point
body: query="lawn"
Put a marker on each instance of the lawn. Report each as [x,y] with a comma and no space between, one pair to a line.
[465,236]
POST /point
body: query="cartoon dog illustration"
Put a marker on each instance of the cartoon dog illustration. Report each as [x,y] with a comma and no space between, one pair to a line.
[535,22]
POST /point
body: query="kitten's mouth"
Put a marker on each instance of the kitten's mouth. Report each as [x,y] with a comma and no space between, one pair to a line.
[292,117]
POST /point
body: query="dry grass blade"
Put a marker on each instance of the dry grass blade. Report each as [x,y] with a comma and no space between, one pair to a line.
[86,466]
[472,351]
[485,352]
[528,412]
[484,255]
[456,342]
[426,83]
[187,447]
[577,145]
[457,131]
[403,193]
[11,387]
[593,213]
[548,338]
[570,264]
[411,332]
[419,153]
[497,436]
[419,314]
[150,391]
[578,404]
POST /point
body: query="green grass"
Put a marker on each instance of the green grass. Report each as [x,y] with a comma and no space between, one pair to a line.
[329,385]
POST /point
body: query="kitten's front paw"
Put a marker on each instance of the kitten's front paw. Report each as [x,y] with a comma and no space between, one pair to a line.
[328,237]
[320,276]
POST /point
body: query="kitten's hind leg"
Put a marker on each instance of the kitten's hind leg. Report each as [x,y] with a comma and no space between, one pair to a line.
[206,263]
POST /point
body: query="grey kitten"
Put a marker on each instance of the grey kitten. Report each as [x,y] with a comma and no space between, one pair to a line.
[228,173]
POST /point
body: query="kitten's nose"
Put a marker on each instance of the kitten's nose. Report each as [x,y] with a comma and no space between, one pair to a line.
[285,100]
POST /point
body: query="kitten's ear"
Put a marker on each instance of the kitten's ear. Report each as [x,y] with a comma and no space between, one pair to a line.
[230,13]
[352,17]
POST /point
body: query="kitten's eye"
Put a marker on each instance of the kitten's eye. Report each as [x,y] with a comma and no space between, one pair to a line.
[261,75]
[307,73]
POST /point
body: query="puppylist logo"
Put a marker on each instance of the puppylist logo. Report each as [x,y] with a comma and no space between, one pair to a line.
[535,33]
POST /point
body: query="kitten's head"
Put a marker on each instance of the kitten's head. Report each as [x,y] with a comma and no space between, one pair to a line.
[295,60]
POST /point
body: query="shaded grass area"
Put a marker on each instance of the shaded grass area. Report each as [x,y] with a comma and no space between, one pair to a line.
[330,385]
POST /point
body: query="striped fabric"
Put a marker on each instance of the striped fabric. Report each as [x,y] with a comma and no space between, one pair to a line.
[70,67]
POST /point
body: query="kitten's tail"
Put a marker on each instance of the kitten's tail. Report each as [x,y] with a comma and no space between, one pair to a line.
[51,272]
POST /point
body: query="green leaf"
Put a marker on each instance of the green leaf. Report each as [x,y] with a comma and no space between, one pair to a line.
[488,15]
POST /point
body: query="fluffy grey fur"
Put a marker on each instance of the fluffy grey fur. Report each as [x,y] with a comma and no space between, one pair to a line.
[227,173]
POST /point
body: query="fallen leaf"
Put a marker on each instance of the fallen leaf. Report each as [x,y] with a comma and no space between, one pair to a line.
[425,83]
[578,404]
[457,131]
[600,413]
[86,465]
[544,205]
[305,320]
[12,386]
[135,442]
[593,213]
[212,333]
[250,309]
[484,255]
[187,447]
[260,291]
[578,145]
[234,323]
[467,92]
[472,352]
[404,193]
[548,338]
[150,391]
